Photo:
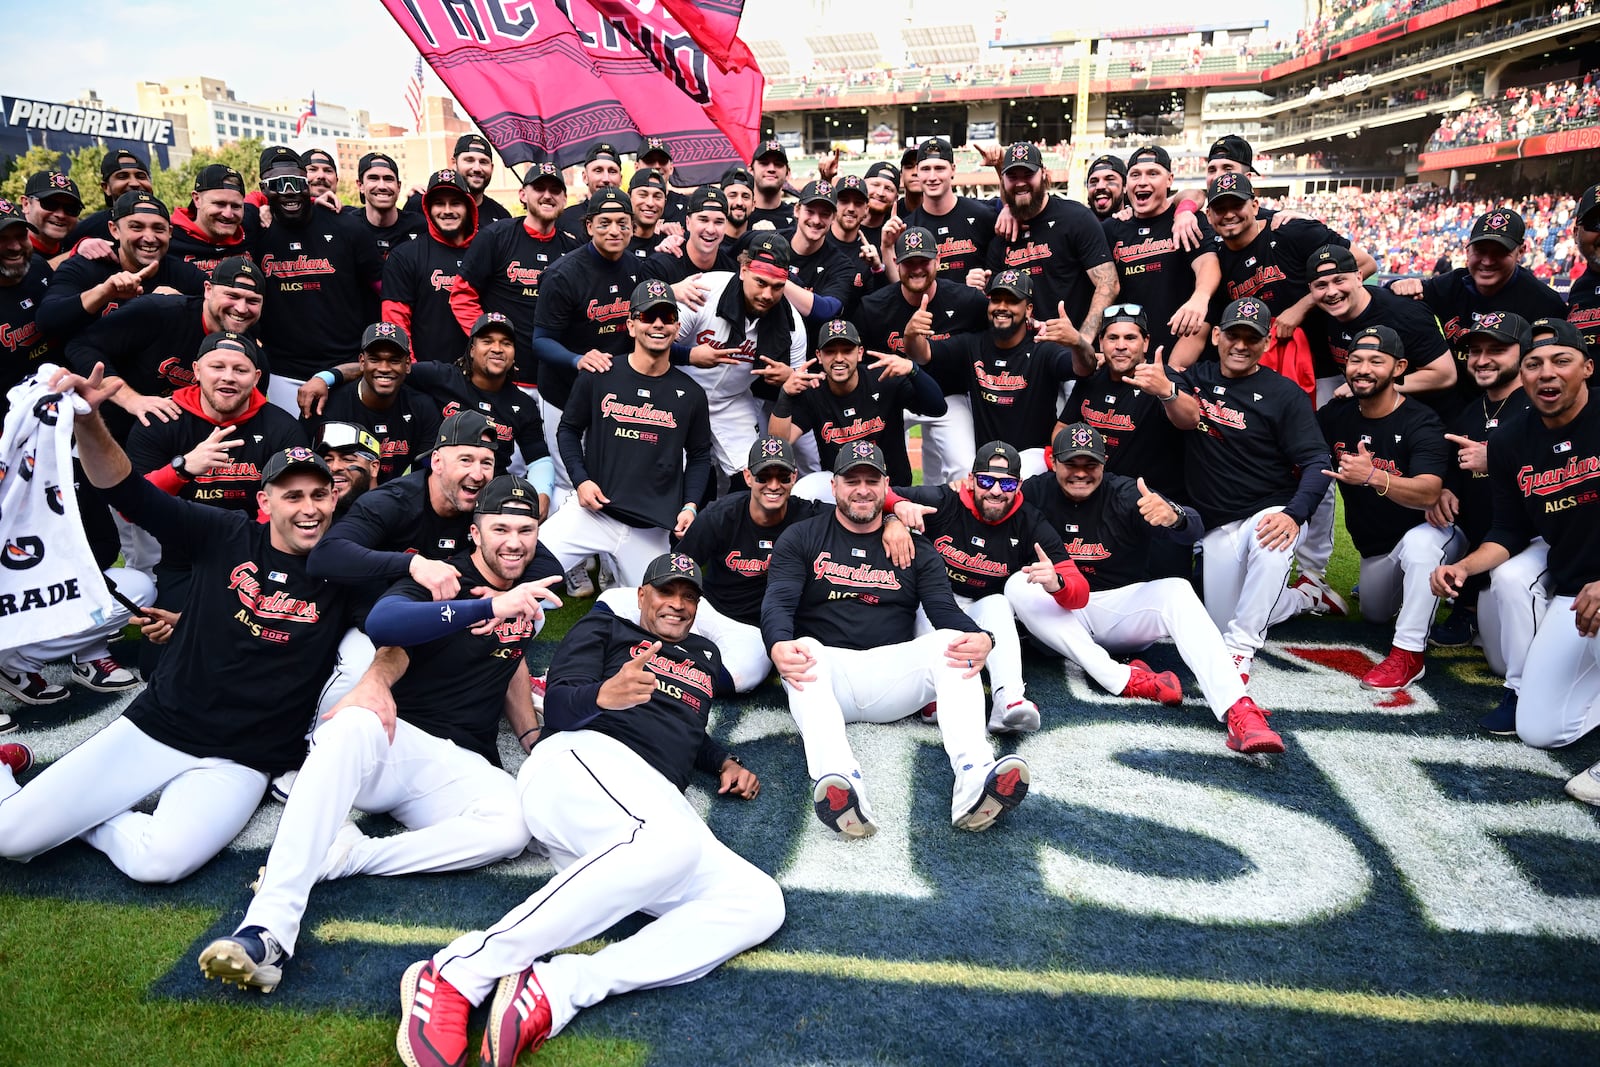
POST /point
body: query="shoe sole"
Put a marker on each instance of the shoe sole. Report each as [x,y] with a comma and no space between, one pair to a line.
[1589,793]
[992,805]
[1498,733]
[848,821]
[408,997]
[504,1003]
[1020,723]
[228,962]
[8,725]
[104,688]
[1452,642]
[1258,747]
[34,701]
[1394,688]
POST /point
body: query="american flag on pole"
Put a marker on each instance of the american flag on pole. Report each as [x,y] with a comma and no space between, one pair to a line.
[307,115]
[414,96]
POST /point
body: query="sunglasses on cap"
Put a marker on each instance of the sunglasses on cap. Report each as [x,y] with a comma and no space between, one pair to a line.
[288,183]
[1123,309]
[989,481]
[657,314]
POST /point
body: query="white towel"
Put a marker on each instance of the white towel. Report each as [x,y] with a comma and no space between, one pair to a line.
[49,584]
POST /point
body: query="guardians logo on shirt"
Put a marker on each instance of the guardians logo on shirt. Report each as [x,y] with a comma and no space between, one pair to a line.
[646,414]
[853,431]
[857,576]
[749,566]
[14,337]
[598,312]
[671,672]
[1263,277]
[1543,483]
[176,371]
[959,559]
[517,274]
[1023,255]
[441,281]
[298,267]
[1083,551]
[278,605]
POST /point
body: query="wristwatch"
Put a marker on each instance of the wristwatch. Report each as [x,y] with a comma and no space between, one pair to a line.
[179,469]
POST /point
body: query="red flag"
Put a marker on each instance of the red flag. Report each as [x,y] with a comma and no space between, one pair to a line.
[543,85]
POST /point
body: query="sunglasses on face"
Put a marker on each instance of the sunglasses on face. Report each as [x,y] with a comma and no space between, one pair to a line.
[659,315]
[989,481]
[776,475]
[288,183]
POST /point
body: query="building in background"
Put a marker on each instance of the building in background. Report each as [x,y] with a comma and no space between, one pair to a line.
[216,117]
[86,121]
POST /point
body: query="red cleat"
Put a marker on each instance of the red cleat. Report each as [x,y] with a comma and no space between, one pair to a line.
[17,756]
[929,713]
[433,1019]
[1248,730]
[519,1020]
[1146,684]
[1399,669]
[1324,600]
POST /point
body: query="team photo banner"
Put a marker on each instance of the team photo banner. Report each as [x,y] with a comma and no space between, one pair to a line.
[544,79]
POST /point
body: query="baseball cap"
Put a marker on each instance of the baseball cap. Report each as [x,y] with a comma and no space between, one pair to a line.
[908,158]
[1332,259]
[280,156]
[1079,439]
[1016,282]
[1230,186]
[818,193]
[1588,202]
[11,215]
[1503,326]
[1235,148]
[1151,153]
[1024,155]
[672,567]
[882,169]
[771,148]
[602,150]
[1381,338]
[240,272]
[652,292]
[656,146]
[936,148]
[1133,313]
[49,183]
[290,460]
[121,159]
[1248,312]
[492,320]
[738,176]
[470,428]
[609,199]
[1108,163]
[915,242]
[508,495]
[227,340]
[770,254]
[376,159]
[472,142]
[850,183]
[348,437]
[708,198]
[1010,462]
[445,179]
[138,202]
[772,451]
[547,171]
[218,176]
[838,330]
[319,155]
[647,176]
[860,454]
[1502,226]
[1554,331]
[386,333]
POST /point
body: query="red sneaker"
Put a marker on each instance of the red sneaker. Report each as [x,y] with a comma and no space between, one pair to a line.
[536,691]
[1146,684]
[519,1020]
[433,1019]
[17,756]
[1324,600]
[929,713]
[1399,669]
[1248,730]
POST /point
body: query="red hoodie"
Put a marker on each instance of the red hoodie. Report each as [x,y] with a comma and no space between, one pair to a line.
[188,398]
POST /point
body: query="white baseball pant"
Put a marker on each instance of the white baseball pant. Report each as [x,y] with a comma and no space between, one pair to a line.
[140,550]
[1316,540]
[459,811]
[736,422]
[744,654]
[883,685]
[552,421]
[1119,621]
[624,840]
[575,533]
[355,656]
[1245,583]
[947,443]
[93,643]
[993,613]
[88,793]
[1399,582]
[1560,697]
[1511,614]
[285,393]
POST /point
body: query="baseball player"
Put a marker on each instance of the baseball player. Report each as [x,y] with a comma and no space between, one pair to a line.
[415,738]
[739,186]
[989,538]
[963,228]
[602,169]
[1390,458]
[844,402]
[848,237]
[637,440]
[1539,467]
[839,620]
[1107,182]
[353,458]
[704,247]
[228,708]
[404,421]
[380,216]
[1583,300]
[769,168]
[647,190]
[472,158]
[419,275]
[1254,467]
[121,171]
[1108,523]
[214,225]
[602,791]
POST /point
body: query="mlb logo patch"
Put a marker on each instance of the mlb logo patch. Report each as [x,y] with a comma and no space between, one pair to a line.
[277,576]
[447,543]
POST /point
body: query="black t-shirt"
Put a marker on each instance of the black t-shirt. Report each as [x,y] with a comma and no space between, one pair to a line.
[1013,390]
[322,291]
[1418,331]
[641,248]
[668,731]
[233,484]
[515,413]
[1057,247]
[875,410]
[489,210]
[376,538]
[61,314]
[1479,420]
[1153,268]
[826,272]
[867,280]
[408,225]
[1583,309]
[455,686]
[193,245]
[96,225]
[733,551]
[1105,535]
[1256,435]
[420,274]
[583,304]
[504,265]
[842,588]
[781,217]
[23,344]
[979,556]
[405,430]
[956,308]
[1545,484]
[256,642]
[1406,443]
[1141,441]
[674,269]
[645,440]
[1272,268]
[963,235]
[1453,298]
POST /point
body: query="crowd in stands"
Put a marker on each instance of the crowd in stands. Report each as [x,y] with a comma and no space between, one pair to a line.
[1524,111]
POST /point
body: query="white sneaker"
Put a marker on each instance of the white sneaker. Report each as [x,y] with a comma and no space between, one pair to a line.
[31,688]
[1015,717]
[1585,786]
[104,675]
[608,580]
[279,789]
[578,583]
[1005,784]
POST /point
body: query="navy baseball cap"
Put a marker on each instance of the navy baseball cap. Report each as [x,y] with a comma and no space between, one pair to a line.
[1235,148]
[543,172]
[1016,282]
[652,292]
[387,333]
[655,146]
[239,272]
[673,567]
[1078,439]
[121,159]
[1381,339]
[708,198]
[470,428]
[1560,332]
[602,150]
[860,454]
[1502,226]
[609,199]
[280,156]
[818,192]
[137,202]
[289,460]
[1247,312]
[997,457]
[1230,186]
[647,176]
[508,495]
[770,452]
[838,330]
[1503,326]
[1332,259]
[738,176]
[1151,153]
[493,320]
[376,159]
[1109,163]
[771,148]
[882,169]
[936,148]
[915,242]
[49,183]
[1024,155]
[226,340]
[472,142]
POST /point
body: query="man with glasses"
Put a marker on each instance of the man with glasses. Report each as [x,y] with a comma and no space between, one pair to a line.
[51,205]
[403,420]
[352,455]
